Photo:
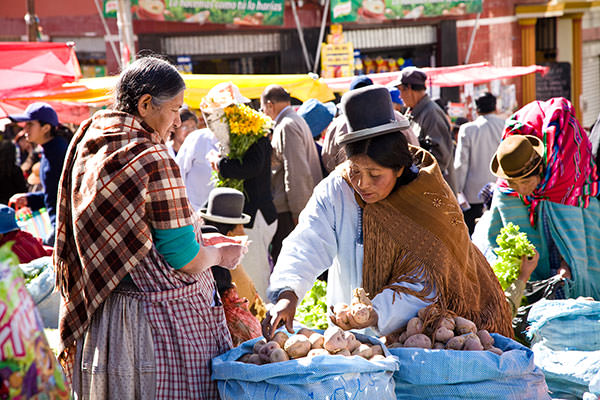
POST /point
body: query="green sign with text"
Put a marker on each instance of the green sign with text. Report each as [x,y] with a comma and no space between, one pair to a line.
[237,12]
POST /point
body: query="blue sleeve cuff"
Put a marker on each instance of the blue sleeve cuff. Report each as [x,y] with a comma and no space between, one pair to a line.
[178,246]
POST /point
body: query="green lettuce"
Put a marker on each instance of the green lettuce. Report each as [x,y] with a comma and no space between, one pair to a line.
[513,245]
[312,311]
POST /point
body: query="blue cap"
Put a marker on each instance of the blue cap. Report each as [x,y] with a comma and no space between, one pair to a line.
[360,81]
[395,93]
[317,115]
[8,223]
[41,112]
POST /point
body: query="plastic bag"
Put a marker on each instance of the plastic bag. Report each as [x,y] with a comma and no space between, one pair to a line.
[28,368]
[320,377]
[451,374]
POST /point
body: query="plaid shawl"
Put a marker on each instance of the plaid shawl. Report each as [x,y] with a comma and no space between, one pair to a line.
[424,238]
[118,182]
[570,176]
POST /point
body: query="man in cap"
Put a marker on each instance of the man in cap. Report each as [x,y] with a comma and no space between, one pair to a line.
[429,122]
[295,166]
[476,145]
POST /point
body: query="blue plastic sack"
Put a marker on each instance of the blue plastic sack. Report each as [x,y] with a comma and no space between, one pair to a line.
[566,342]
[318,378]
[451,374]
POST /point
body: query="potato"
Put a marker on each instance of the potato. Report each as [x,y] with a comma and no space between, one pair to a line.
[377,357]
[403,337]
[448,323]
[255,359]
[258,345]
[472,343]
[360,313]
[316,340]
[456,343]
[376,349]
[364,351]
[297,346]
[342,312]
[421,313]
[414,326]
[317,352]
[443,334]
[351,342]
[439,346]
[278,355]
[334,339]
[464,326]
[305,331]
[344,352]
[244,358]
[360,296]
[280,337]
[395,345]
[495,350]
[486,339]
[266,350]
[418,340]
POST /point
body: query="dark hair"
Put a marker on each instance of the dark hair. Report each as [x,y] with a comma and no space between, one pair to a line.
[486,103]
[147,75]
[223,228]
[415,87]
[60,130]
[186,114]
[276,94]
[8,157]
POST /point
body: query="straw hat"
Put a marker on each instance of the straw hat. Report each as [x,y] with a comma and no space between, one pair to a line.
[517,156]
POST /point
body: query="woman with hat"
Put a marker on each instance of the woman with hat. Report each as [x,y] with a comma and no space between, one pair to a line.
[386,221]
[547,185]
[42,128]
[140,316]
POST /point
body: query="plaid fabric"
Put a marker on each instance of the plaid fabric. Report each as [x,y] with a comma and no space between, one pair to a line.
[118,181]
[570,176]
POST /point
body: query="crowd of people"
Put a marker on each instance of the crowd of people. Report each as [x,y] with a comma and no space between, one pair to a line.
[160,271]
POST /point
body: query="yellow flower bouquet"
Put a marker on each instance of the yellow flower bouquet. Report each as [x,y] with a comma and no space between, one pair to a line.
[236,126]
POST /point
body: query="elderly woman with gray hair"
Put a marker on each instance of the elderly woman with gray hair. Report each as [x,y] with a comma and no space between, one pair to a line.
[140,317]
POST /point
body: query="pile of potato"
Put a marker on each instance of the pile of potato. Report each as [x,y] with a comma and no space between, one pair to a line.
[452,333]
[308,343]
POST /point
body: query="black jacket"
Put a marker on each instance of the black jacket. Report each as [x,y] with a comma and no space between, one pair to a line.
[255,170]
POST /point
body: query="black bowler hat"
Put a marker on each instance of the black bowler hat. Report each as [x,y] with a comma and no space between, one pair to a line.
[369,113]
[225,206]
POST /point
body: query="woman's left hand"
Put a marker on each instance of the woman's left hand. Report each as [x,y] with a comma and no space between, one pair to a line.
[564,270]
[345,320]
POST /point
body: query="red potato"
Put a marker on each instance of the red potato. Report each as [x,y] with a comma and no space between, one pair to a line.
[403,337]
[448,323]
[456,343]
[360,296]
[418,340]
[317,352]
[334,339]
[364,351]
[495,350]
[280,337]
[342,313]
[344,352]
[485,338]
[439,346]
[254,359]
[414,326]
[258,345]
[297,346]
[443,334]
[316,341]
[472,343]
[266,350]
[360,313]
[278,355]
[245,357]
[351,342]
[305,331]
[376,349]
[464,326]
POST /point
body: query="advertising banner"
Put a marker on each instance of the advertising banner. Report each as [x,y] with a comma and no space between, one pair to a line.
[237,12]
[370,11]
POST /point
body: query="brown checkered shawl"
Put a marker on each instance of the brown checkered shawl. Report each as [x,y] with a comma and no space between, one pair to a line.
[418,232]
[118,182]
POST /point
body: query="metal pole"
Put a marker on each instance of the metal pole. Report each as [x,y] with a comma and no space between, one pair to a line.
[301,36]
[31,22]
[125,32]
[472,40]
[321,34]
[108,34]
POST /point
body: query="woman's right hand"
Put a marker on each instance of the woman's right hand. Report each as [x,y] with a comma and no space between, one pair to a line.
[230,254]
[528,265]
[281,313]
[18,200]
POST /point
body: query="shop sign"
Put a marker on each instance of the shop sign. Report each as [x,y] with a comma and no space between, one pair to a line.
[236,12]
[337,60]
[381,10]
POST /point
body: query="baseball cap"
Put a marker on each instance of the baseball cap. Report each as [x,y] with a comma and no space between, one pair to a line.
[8,223]
[38,111]
[360,81]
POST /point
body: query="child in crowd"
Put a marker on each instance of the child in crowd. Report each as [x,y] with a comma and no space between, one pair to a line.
[25,246]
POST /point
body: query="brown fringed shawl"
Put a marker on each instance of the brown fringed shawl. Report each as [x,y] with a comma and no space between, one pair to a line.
[418,233]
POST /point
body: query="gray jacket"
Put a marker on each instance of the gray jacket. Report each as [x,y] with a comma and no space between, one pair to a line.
[477,143]
[295,165]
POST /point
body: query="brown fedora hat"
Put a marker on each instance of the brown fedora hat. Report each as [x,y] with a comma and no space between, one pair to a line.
[517,156]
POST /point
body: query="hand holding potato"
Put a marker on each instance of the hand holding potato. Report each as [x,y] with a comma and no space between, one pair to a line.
[281,313]
[353,317]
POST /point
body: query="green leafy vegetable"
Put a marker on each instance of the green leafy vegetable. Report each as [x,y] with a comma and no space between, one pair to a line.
[312,311]
[513,245]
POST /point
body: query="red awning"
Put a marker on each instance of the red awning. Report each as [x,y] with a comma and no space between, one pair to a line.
[31,66]
[447,76]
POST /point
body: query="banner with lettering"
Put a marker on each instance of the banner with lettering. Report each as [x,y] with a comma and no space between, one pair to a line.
[370,11]
[236,12]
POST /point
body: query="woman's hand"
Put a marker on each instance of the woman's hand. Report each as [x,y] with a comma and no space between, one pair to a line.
[528,265]
[564,270]
[281,313]
[344,319]
[230,254]
[18,200]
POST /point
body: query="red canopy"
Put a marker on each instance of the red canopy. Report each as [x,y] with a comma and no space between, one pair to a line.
[31,66]
[447,76]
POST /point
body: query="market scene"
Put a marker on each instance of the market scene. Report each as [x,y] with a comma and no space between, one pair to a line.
[299,199]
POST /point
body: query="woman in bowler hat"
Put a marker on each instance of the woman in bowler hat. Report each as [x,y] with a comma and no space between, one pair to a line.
[547,185]
[385,221]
